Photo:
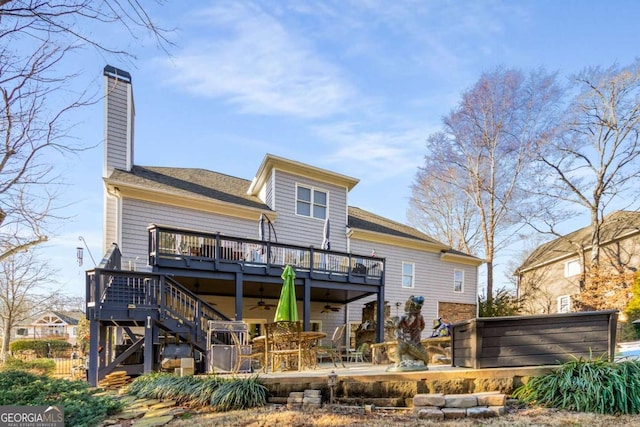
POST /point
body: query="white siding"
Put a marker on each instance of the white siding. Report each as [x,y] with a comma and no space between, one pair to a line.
[306,231]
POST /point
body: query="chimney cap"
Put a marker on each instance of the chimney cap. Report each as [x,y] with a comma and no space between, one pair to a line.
[111,71]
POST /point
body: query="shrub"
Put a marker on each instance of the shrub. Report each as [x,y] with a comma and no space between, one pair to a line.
[37,366]
[43,348]
[503,303]
[595,385]
[81,407]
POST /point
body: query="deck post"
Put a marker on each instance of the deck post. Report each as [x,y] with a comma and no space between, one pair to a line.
[239,296]
[380,316]
[306,304]
[94,328]
[148,345]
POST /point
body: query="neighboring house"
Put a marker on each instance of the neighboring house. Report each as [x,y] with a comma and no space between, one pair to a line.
[202,229]
[51,325]
[552,275]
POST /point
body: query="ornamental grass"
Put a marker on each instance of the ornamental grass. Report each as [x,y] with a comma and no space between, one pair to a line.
[219,393]
[587,385]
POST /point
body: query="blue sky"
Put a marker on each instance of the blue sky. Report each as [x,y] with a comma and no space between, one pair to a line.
[352,86]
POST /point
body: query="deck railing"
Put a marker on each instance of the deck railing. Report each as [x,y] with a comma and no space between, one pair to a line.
[176,244]
[110,291]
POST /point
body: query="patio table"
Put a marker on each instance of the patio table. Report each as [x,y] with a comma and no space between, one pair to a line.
[309,343]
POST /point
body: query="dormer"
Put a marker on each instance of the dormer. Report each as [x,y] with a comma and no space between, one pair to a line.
[304,196]
[262,184]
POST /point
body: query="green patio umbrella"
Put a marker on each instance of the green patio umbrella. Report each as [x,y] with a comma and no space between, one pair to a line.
[287,307]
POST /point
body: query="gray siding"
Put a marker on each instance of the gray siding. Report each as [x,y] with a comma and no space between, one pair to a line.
[268,190]
[138,215]
[433,280]
[110,222]
[301,230]
[116,125]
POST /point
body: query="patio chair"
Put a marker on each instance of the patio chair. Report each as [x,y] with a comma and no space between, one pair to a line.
[358,354]
[334,351]
[283,344]
[246,352]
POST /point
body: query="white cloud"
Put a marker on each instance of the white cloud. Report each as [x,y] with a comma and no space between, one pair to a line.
[249,58]
[375,155]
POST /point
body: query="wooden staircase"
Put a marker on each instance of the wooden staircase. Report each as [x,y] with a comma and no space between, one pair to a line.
[134,301]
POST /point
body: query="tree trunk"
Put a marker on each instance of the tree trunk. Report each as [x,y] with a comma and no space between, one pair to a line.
[596,222]
[6,339]
[489,280]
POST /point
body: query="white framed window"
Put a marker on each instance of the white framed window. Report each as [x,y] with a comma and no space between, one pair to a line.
[311,202]
[572,268]
[458,280]
[408,275]
[22,332]
[564,304]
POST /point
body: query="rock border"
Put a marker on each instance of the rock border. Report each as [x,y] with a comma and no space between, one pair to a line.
[439,406]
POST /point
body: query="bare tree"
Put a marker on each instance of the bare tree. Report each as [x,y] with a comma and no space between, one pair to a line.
[64,302]
[484,153]
[38,41]
[444,213]
[595,160]
[22,292]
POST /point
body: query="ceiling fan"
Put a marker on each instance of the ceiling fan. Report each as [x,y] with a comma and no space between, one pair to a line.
[261,304]
[328,308]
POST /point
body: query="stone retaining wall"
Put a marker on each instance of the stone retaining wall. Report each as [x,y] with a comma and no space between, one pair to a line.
[440,406]
[305,400]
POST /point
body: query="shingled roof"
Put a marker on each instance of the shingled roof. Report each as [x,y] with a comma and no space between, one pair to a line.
[364,220]
[199,183]
[616,225]
[70,317]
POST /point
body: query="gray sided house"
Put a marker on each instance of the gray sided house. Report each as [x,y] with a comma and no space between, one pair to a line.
[551,277]
[218,244]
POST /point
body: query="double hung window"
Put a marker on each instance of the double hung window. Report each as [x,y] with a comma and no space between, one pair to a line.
[408,274]
[458,281]
[311,202]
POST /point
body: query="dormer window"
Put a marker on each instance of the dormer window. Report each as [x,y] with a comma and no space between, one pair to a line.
[311,202]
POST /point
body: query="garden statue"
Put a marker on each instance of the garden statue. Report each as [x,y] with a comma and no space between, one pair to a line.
[441,328]
[410,354]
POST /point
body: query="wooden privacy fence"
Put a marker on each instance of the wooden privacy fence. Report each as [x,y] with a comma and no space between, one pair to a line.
[495,342]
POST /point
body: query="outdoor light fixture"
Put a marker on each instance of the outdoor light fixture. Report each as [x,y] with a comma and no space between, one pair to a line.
[332,382]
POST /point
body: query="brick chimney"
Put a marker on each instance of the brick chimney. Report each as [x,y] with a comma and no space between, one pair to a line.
[119,115]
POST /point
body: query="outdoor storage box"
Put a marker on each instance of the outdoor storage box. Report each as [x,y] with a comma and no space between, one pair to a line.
[494,342]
